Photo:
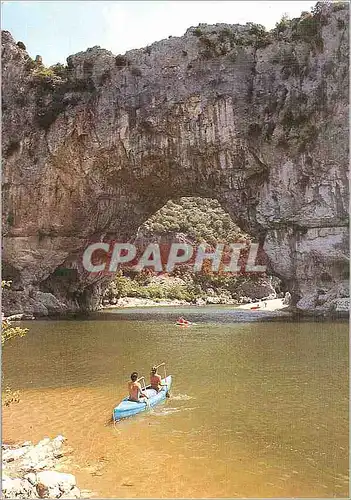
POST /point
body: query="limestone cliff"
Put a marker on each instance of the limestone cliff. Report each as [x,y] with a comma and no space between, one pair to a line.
[258,121]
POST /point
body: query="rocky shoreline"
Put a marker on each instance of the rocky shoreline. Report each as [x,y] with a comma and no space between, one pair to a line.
[280,302]
[216,300]
[32,471]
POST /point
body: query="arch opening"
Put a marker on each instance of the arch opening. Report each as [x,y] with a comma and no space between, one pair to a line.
[192,221]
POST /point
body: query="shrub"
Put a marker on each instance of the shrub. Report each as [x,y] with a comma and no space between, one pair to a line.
[59,70]
[256,29]
[209,47]
[309,29]
[10,219]
[261,36]
[106,76]
[283,24]
[121,61]
[30,64]
[339,6]
[197,32]
[42,72]
[225,34]
[47,114]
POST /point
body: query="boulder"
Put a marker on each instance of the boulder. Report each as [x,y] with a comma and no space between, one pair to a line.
[200,302]
[308,302]
[17,488]
[31,303]
[287,299]
[53,483]
[27,459]
[10,455]
[73,493]
[213,300]
[342,305]
[32,478]
[48,492]
[50,478]
[257,289]
[44,442]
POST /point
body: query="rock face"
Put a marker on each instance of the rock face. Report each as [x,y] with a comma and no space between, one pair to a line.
[258,121]
[261,289]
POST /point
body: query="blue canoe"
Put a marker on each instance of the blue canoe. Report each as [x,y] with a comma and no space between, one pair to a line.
[128,408]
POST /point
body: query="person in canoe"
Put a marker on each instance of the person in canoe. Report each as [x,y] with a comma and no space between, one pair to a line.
[135,391]
[182,321]
[155,379]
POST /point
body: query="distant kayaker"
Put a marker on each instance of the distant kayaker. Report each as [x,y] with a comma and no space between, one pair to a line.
[155,379]
[135,391]
[182,321]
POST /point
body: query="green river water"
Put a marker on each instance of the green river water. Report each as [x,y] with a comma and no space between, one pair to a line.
[258,408]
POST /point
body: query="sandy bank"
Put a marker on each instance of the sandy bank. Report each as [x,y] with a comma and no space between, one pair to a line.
[271,305]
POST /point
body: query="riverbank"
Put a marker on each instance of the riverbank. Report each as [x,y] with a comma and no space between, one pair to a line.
[266,305]
[190,289]
[34,471]
[139,302]
[132,302]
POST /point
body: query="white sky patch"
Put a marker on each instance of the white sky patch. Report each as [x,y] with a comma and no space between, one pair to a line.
[135,24]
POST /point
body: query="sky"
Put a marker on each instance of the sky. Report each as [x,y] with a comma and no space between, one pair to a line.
[57,29]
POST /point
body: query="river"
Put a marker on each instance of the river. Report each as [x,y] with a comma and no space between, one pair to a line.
[258,408]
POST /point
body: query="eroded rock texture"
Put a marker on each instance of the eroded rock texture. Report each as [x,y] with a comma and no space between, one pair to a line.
[258,122]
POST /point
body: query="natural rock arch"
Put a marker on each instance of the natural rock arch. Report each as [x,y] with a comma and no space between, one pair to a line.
[95,151]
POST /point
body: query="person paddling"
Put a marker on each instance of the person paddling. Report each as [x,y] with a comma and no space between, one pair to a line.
[155,380]
[135,391]
[182,321]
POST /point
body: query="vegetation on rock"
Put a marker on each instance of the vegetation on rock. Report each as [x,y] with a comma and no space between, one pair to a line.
[9,332]
[200,219]
[121,61]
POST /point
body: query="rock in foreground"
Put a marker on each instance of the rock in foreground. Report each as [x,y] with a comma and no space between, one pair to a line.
[26,474]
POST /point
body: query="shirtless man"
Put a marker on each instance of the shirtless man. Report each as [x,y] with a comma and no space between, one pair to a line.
[135,390]
[155,379]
